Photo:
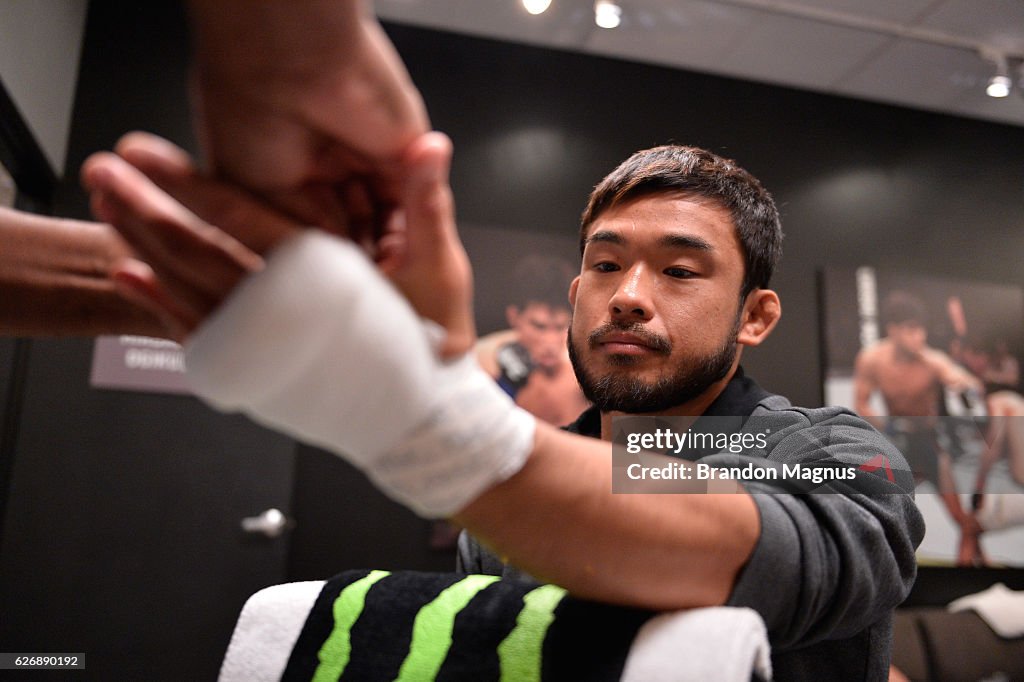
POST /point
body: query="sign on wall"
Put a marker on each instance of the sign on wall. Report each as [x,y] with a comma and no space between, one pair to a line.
[138,363]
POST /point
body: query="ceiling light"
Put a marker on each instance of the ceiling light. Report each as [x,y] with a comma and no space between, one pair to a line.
[607,14]
[999,84]
[536,6]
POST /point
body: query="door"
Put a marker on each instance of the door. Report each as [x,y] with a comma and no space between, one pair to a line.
[122,536]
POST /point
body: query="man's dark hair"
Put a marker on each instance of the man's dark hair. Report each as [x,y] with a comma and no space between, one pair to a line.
[694,172]
[903,307]
[542,279]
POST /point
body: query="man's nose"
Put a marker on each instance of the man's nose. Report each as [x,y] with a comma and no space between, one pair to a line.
[632,297]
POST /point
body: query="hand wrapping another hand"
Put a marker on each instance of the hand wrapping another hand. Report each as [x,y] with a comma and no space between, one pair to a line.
[306,335]
[151,191]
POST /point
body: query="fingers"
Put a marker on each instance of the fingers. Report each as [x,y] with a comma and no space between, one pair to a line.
[137,282]
[232,210]
[196,265]
[160,159]
[342,199]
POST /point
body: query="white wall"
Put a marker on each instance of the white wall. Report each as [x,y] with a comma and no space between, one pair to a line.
[40,43]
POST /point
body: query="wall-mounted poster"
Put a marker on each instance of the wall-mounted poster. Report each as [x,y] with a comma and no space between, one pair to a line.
[522,312]
[935,364]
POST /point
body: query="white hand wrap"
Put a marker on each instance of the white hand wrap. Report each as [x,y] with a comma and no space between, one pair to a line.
[319,345]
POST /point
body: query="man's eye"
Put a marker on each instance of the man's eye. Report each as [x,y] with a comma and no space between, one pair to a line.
[606,267]
[680,273]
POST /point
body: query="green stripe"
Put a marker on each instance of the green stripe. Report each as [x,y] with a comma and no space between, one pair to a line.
[520,653]
[432,629]
[337,648]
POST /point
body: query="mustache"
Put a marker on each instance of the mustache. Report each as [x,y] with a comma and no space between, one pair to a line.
[654,341]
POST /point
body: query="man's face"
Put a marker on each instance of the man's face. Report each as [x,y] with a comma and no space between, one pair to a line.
[541,329]
[656,305]
[910,337]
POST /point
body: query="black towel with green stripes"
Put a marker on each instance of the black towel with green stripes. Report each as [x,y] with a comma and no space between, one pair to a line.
[412,626]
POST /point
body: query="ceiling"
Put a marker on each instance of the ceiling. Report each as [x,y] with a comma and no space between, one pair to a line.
[916,53]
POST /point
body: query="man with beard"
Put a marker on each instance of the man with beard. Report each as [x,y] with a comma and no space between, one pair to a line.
[658,330]
[678,249]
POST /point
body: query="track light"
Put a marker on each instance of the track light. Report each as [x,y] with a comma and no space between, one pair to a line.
[536,6]
[607,13]
[1000,84]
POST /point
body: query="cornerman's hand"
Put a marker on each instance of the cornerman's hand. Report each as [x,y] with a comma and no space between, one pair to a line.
[307,104]
[185,265]
[196,238]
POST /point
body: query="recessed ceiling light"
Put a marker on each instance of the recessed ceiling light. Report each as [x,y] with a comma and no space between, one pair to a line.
[607,14]
[998,86]
[536,6]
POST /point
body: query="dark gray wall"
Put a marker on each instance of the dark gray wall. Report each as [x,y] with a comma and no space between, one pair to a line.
[857,183]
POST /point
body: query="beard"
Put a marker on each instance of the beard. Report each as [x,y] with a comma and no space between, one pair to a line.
[619,391]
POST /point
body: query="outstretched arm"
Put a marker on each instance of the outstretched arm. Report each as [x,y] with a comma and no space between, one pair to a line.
[951,374]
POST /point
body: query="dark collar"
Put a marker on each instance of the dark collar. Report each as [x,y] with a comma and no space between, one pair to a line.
[738,399]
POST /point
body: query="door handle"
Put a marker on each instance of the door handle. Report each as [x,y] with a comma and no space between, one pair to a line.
[271,523]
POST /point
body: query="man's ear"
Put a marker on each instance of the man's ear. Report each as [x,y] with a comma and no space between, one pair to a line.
[511,315]
[761,312]
[572,291]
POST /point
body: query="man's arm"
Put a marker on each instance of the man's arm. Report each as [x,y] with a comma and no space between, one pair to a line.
[54,275]
[837,559]
[952,375]
[864,383]
[557,520]
[487,347]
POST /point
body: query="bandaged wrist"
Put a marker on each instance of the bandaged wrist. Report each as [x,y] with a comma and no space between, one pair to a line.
[474,437]
[320,346]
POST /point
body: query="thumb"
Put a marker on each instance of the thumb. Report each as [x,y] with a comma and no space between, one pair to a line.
[428,203]
[434,272]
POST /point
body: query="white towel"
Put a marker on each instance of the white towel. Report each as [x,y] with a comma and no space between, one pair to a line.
[999,606]
[722,643]
[267,629]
